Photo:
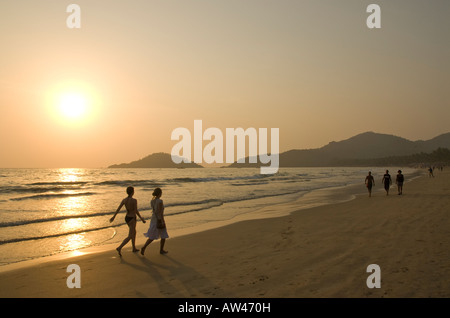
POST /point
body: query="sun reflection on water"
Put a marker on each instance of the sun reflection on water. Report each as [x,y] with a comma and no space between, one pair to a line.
[69,174]
[74,224]
[72,205]
[73,242]
[74,199]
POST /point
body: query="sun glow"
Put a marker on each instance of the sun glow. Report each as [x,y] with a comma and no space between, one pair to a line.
[73,103]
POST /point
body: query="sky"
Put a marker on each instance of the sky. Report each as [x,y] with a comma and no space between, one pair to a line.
[113,90]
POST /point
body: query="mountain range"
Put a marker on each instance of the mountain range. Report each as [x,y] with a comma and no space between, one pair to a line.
[362,149]
[368,148]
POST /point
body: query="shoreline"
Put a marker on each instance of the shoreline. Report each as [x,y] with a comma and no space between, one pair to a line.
[50,228]
[188,224]
[313,198]
[318,246]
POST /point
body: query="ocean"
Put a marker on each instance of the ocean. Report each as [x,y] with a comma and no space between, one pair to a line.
[48,211]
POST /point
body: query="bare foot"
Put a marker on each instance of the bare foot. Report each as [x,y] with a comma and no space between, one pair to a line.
[135,250]
[118,251]
[142,251]
[163,252]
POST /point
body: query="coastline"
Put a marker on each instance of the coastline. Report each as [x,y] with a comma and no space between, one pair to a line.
[320,251]
[47,224]
[309,199]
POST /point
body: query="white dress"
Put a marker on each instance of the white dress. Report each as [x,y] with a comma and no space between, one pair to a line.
[153,232]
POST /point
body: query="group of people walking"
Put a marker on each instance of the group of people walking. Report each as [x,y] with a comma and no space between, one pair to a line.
[157,228]
[387,182]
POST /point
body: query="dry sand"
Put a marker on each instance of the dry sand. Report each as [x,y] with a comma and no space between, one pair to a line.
[317,252]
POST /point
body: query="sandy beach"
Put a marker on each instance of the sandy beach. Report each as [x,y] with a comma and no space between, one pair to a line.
[317,252]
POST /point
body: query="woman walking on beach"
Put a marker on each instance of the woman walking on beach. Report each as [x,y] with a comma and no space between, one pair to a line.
[387,181]
[130,218]
[157,227]
[369,183]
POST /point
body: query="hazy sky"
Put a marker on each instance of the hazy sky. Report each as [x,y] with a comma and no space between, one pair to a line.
[312,68]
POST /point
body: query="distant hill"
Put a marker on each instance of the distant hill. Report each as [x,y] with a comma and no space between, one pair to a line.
[362,149]
[156,160]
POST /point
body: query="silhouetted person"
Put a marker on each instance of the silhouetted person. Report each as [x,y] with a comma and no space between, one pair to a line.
[399,180]
[130,219]
[157,227]
[370,181]
[387,181]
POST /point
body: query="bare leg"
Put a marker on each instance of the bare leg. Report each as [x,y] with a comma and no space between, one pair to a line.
[132,234]
[161,250]
[125,241]
[145,246]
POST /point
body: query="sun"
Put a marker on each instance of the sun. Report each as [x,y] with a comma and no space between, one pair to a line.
[73,105]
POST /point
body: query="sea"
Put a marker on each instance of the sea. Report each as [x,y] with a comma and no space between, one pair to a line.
[45,212]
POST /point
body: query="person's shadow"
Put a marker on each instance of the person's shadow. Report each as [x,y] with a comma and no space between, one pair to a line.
[179,280]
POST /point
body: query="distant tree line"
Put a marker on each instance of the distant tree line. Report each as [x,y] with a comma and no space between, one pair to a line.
[439,157]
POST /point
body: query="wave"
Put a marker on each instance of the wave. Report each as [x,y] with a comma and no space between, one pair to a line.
[216,202]
[215,179]
[63,183]
[199,207]
[32,189]
[203,204]
[60,186]
[249,183]
[53,219]
[191,206]
[53,195]
[31,238]
[42,187]
[125,183]
[193,202]
[180,180]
